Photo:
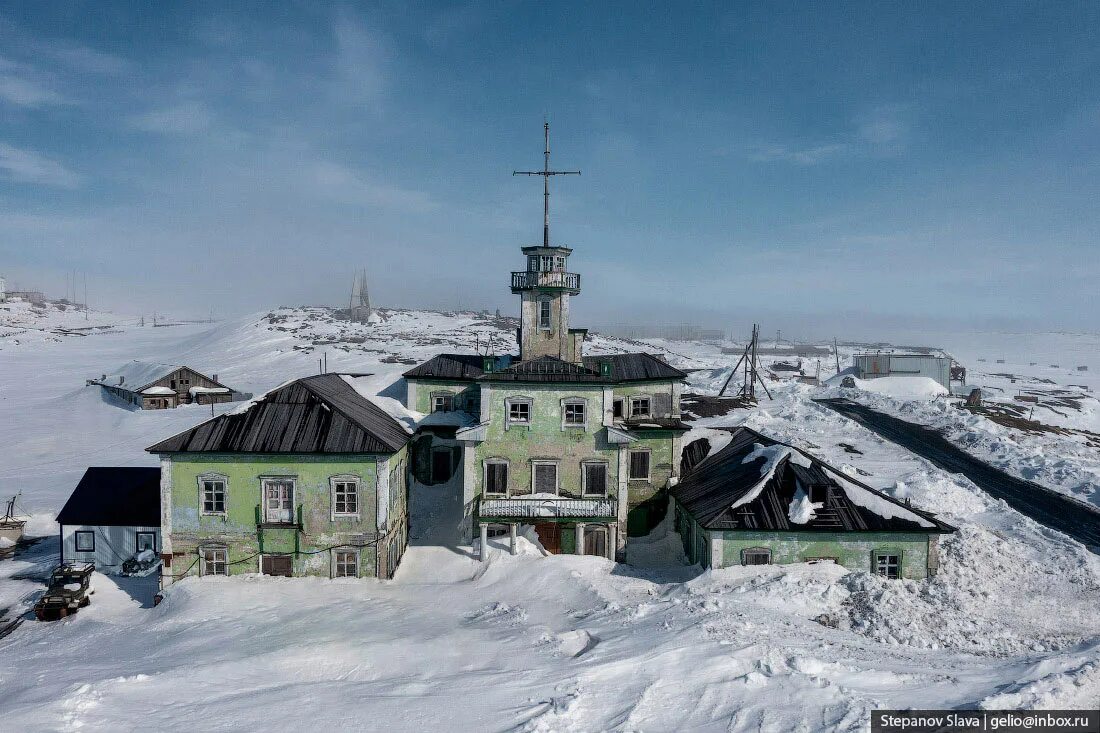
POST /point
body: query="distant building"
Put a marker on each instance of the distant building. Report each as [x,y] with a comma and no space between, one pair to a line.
[152,386]
[935,366]
[3,290]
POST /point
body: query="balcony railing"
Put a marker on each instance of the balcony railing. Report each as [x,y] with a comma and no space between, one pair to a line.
[534,508]
[527,279]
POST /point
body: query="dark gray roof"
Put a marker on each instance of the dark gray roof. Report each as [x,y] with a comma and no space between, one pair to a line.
[709,489]
[452,366]
[115,496]
[320,414]
[624,368]
[635,367]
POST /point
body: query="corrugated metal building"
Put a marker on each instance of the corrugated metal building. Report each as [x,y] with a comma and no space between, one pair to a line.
[885,364]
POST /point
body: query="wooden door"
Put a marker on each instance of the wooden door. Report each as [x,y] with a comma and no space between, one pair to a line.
[277,565]
[595,541]
[278,501]
[550,536]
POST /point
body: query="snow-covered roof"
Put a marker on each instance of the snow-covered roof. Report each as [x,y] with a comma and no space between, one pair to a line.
[137,374]
[158,390]
[209,390]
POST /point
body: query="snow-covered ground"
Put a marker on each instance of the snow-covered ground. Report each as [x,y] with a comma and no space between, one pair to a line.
[526,642]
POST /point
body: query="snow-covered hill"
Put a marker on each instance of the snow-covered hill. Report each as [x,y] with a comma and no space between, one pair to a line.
[526,642]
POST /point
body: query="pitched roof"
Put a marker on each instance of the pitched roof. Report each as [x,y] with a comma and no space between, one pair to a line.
[319,414]
[137,374]
[115,496]
[624,368]
[734,490]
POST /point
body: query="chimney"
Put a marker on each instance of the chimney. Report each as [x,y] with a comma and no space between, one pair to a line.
[214,377]
[121,380]
[103,378]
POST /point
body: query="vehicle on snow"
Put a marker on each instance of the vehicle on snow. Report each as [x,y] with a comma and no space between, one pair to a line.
[69,589]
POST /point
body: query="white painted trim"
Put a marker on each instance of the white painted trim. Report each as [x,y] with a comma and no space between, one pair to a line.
[485,476]
[382,494]
[649,465]
[358,562]
[344,478]
[410,394]
[213,476]
[557,475]
[515,400]
[630,404]
[264,480]
[166,504]
[583,402]
[584,476]
[608,406]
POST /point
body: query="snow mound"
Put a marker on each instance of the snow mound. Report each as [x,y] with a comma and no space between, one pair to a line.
[913,388]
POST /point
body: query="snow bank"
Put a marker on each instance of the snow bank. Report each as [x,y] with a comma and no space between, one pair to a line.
[913,388]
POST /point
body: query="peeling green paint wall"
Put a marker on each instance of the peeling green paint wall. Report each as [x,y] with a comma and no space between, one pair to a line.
[312,475]
[853,550]
[466,394]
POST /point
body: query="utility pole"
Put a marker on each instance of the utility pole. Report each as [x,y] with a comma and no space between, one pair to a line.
[836,351]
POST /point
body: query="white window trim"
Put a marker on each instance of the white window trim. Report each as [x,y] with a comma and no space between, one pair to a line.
[344,478]
[557,476]
[509,401]
[76,539]
[202,559]
[550,313]
[574,401]
[630,404]
[606,477]
[649,465]
[202,478]
[137,539]
[485,475]
[358,562]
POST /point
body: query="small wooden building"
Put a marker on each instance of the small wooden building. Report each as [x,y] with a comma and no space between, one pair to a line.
[153,386]
[112,514]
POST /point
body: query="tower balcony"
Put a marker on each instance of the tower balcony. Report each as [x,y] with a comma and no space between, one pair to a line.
[553,280]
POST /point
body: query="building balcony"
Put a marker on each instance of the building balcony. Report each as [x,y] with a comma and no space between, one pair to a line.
[529,280]
[547,508]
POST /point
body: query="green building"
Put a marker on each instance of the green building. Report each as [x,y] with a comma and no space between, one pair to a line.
[310,479]
[582,447]
[758,501]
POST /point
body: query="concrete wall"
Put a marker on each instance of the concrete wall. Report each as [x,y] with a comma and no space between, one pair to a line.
[382,508]
[535,342]
[113,545]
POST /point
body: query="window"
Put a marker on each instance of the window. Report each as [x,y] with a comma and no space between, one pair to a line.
[756,556]
[617,408]
[85,541]
[544,478]
[146,541]
[594,478]
[559,263]
[496,478]
[574,414]
[544,315]
[888,565]
[345,563]
[639,465]
[547,261]
[442,401]
[639,407]
[519,411]
[345,498]
[533,263]
[214,561]
[213,495]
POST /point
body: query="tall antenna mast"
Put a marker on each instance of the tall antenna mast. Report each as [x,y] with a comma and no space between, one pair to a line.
[546,173]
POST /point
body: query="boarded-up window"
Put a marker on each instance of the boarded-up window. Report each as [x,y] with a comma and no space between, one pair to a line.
[639,465]
[496,478]
[662,404]
[546,478]
[595,479]
[756,556]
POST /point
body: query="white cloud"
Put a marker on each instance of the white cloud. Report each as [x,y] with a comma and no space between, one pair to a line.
[187,118]
[342,184]
[884,130]
[27,166]
[23,86]
[362,57]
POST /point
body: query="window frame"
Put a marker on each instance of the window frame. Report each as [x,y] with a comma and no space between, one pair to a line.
[881,554]
[766,551]
[649,405]
[568,402]
[336,552]
[203,479]
[203,549]
[83,533]
[535,464]
[448,400]
[548,325]
[620,413]
[485,476]
[517,400]
[343,478]
[585,465]
[264,481]
[648,464]
[137,540]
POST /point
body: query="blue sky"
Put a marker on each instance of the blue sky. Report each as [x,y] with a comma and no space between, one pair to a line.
[809,167]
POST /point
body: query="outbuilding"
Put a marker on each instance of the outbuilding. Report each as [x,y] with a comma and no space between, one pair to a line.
[154,386]
[112,514]
[758,501]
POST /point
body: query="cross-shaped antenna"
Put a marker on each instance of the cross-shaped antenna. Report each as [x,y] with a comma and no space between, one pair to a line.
[546,173]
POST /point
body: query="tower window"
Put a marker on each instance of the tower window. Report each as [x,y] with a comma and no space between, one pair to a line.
[544,315]
[559,264]
[547,263]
